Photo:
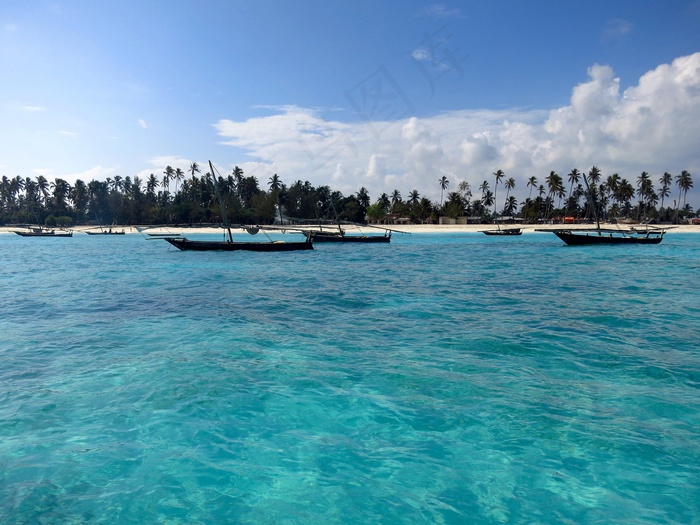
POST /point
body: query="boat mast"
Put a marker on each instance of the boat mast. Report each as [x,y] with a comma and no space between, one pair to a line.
[224,218]
[337,218]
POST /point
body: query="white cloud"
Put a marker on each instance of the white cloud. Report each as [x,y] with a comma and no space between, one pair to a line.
[440,11]
[34,108]
[652,126]
[143,124]
[617,28]
[421,55]
[45,172]
[68,133]
[94,173]
[160,163]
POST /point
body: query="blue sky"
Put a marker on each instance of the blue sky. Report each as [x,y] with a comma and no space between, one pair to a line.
[386,95]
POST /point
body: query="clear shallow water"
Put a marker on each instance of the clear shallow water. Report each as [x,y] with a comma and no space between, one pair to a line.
[439,379]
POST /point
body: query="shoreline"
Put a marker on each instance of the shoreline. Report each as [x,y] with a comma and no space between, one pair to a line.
[368,230]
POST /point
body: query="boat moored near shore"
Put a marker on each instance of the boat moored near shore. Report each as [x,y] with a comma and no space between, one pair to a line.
[40,231]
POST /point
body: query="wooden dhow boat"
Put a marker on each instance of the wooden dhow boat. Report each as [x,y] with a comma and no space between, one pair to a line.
[587,236]
[185,244]
[598,235]
[40,231]
[106,231]
[503,231]
[228,244]
[340,236]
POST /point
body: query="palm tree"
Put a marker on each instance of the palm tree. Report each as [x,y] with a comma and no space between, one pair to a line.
[555,186]
[499,175]
[444,184]
[509,185]
[43,187]
[395,199]
[61,190]
[194,168]
[684,182]
[5,192]
[117,184]
[511,205]
[275,183]
[625,192]
[363,197]
[31,191]
[454,205]
[612,184]
[384,202]
[643,187]
[592,183]
[531,182]
[484,187]
[126,184]
[178,175]
[594,175]
[238,178]
[17,184]
[425,208]
[413,197]
[487,199]
[666,180]
[168,175]
[151,184]
[79,196]
[574,178]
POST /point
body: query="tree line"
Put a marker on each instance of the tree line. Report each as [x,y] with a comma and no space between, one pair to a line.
[178,197]
[581,196]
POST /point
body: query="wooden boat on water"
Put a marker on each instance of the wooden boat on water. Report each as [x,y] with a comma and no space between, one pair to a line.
[598,235]
[107,231]
[157,235]
[228,245]
[182,243]
[336,231]
[589,236]
[40,231]
[340,236]
[504,231]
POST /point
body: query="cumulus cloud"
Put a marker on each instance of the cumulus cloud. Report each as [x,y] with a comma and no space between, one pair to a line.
[652,126]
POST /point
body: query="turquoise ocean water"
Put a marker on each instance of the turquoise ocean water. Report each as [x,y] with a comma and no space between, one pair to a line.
[455,379]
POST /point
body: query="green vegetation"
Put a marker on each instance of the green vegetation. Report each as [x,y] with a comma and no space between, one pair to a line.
[126,201]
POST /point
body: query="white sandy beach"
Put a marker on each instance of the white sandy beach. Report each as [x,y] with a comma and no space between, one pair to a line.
[413,228]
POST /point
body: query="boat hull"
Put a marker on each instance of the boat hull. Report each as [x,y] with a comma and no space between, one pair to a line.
[511,231]
[208,246]
[44,234]
[581,238]
[351,238]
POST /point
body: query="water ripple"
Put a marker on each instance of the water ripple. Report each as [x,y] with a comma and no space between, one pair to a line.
[439,379]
